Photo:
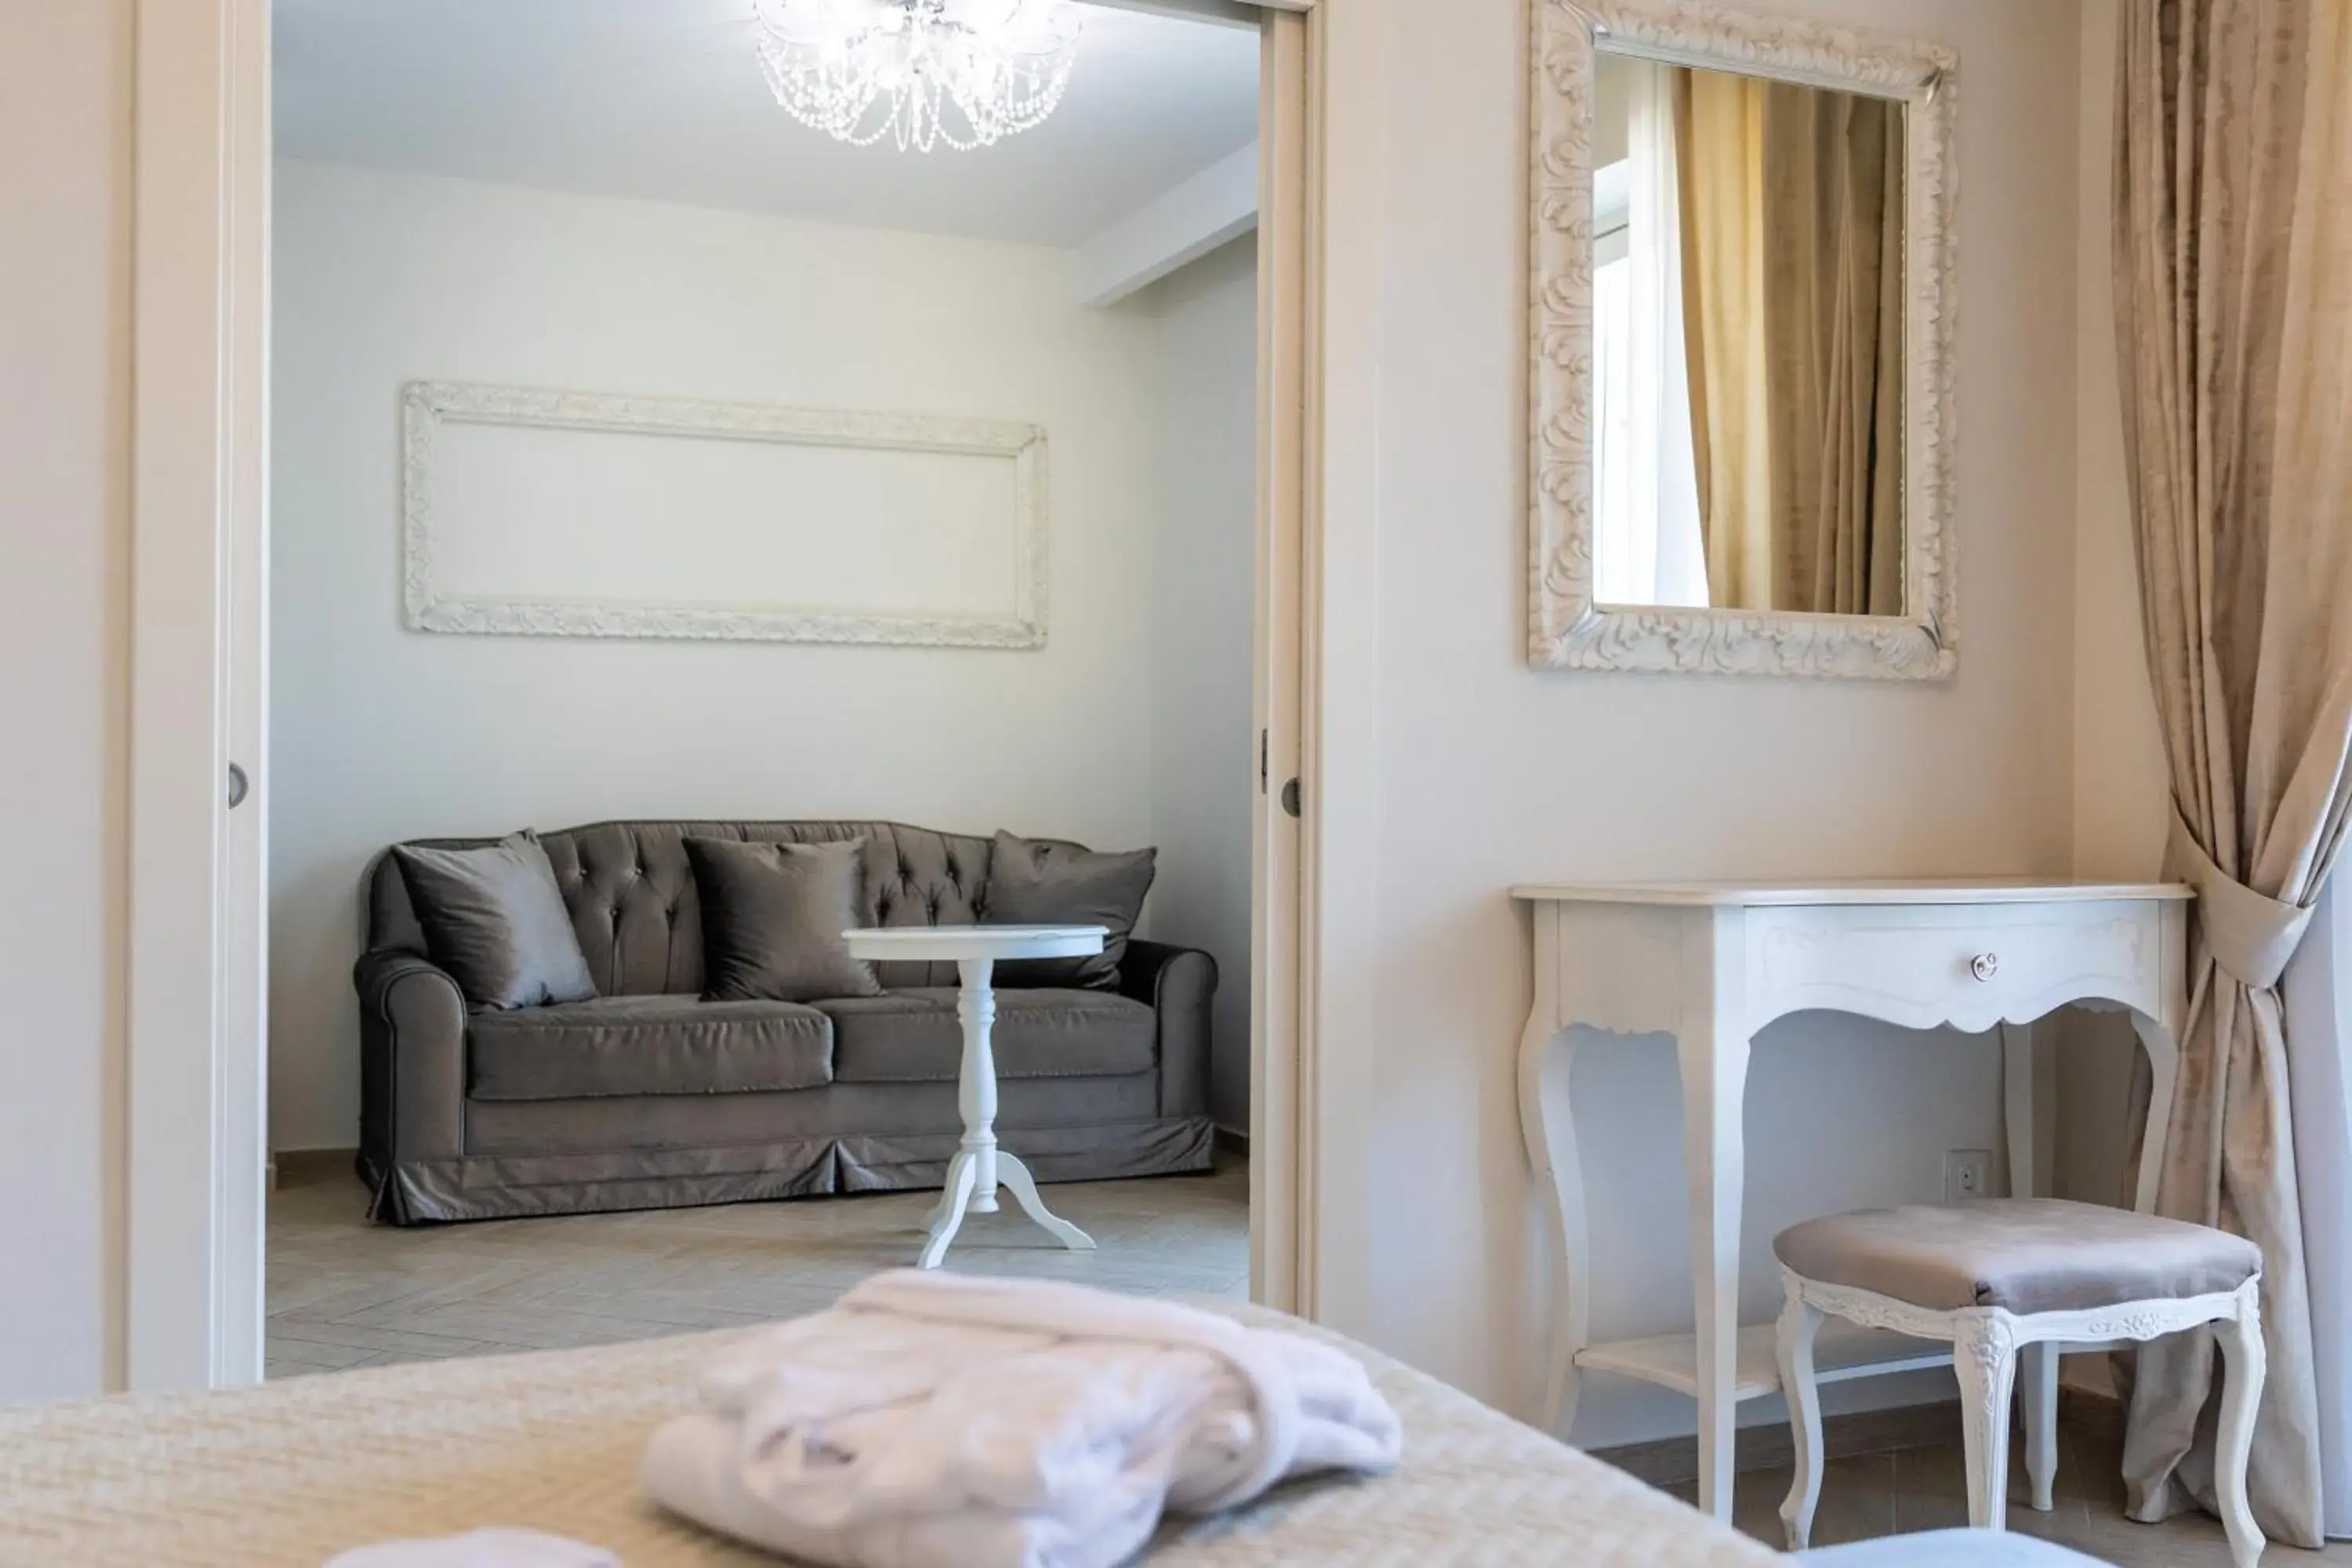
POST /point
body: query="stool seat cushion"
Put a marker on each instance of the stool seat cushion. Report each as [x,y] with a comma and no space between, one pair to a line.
[2028,1254]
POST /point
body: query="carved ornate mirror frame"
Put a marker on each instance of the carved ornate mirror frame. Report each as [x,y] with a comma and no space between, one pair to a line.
[1566,629]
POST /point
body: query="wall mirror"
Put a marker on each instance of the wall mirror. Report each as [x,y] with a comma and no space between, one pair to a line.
[1743,422]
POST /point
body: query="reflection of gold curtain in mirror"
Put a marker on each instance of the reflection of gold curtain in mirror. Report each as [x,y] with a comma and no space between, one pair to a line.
[1792,208]
[1719,153]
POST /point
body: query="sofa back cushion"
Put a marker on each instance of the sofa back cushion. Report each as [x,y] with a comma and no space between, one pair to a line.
[774,918]
[633,903]
[496,920]
[1040,882]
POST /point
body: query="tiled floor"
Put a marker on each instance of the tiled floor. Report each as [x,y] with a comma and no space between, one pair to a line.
[345,1293]
[1926,1488]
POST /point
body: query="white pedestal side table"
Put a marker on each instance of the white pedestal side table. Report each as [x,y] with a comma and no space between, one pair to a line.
[979,1164]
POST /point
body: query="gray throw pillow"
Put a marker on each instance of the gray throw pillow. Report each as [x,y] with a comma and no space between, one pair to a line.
[773,915]
[1042,882]
[495,920]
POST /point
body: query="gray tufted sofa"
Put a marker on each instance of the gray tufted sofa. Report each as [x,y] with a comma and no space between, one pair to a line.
[649,1096]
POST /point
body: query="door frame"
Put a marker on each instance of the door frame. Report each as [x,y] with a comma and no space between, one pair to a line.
[192,1300]
[196,1075]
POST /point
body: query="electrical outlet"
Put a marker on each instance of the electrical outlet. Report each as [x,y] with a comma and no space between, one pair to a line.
[1967,1174]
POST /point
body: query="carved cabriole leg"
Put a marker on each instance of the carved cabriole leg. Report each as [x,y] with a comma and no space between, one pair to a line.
[2040,1375]
[1711,1052]
[2161,1041]
[1984,1356]
[1559,1174]
[1799,1321]
[1558,1171]
[1714,1082]
[2243,1361]
[2021,1069]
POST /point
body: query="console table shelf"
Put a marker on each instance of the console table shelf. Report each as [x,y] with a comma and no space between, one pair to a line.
[1842,1350]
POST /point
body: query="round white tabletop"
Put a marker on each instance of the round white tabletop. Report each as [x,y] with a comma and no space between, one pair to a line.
[917,943]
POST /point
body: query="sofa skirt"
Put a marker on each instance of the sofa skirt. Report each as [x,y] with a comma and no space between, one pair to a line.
[510,1186]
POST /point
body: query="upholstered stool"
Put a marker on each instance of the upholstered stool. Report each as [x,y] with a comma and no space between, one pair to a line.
[2004,1275]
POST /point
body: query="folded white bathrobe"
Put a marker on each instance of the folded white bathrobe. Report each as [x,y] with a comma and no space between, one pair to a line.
[946,1419]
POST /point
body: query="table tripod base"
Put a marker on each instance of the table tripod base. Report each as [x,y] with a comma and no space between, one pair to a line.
[956,1201]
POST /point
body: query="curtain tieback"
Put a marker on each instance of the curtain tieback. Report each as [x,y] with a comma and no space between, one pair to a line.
[2250,934]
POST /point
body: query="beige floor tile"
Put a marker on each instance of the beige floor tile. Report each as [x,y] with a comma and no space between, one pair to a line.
[1856,1502]
[1926,1488]
[1931,1493]
[276,1367]
[344,1292]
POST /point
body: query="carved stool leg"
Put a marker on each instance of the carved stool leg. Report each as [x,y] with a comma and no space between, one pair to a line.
[2243,1363]
[1984,1356]
[1799,1321]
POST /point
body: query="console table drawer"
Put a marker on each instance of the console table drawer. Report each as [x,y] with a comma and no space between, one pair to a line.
[1969,966]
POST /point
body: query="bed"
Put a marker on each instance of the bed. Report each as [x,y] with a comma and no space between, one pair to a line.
[295,1472]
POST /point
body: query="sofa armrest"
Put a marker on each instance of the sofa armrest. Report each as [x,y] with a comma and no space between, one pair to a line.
[1180,984]
[412,1061]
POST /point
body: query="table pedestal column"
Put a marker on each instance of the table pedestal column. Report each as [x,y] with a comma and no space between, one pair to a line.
[980,1166]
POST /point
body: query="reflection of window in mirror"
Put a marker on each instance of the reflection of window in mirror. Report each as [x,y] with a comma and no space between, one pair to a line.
[1747,342]
[1647,542]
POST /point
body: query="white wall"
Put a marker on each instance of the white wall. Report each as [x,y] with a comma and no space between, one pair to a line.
[64,588]
[1204,607]
[1486,773]
[381,733]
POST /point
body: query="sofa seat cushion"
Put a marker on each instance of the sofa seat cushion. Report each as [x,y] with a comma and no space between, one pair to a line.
[647,1045]
[914,1037]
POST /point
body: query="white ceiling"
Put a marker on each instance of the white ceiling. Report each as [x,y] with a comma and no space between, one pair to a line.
[663,99]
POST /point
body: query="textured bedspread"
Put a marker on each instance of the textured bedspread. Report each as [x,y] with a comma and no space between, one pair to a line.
[293,1472]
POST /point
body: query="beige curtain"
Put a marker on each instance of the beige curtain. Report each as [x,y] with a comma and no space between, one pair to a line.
[1792,274]
[1719,158]
[2233,275]
[1833,336]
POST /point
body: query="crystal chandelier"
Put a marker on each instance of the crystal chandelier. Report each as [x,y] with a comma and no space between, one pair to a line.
[966,72]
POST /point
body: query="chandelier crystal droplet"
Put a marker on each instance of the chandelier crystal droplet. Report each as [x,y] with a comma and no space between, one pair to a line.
[965,72]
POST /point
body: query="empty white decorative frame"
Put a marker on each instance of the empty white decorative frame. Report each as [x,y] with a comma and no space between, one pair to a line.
[1567,627]
[739,520]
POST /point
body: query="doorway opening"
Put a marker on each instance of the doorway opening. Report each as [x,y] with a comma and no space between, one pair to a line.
[564,311]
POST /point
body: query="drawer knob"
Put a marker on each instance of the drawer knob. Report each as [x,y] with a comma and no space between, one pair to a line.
[1985,965]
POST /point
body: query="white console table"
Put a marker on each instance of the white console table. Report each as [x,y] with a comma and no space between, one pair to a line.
[1710,965]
